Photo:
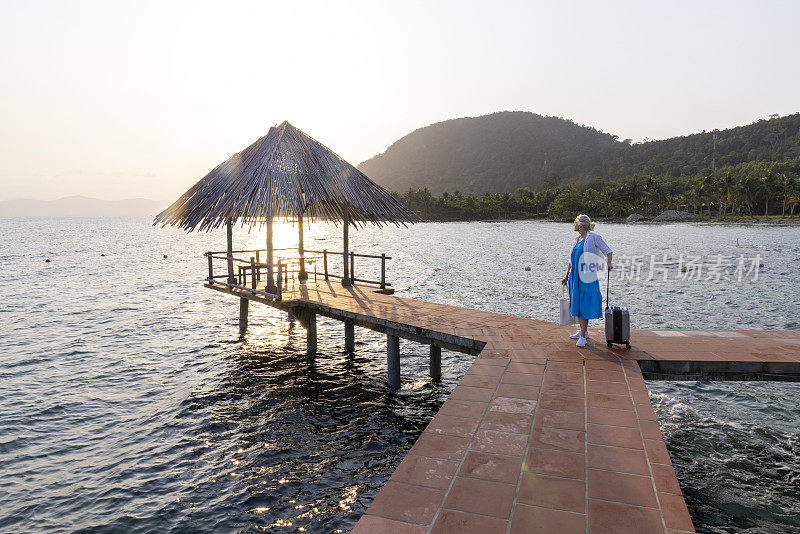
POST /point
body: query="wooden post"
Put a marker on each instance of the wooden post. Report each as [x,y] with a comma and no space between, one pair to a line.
[436,362]
[229,228]
[352,267]
[393,360]
[270,278]
[349,337]
[346,245]
[253,270]
[211,268]
[325,262]
[311,333]
[280,278]
[302,275]
[258,261]
[383,271]
[244,304]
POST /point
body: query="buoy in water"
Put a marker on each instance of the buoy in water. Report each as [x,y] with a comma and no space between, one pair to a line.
[47,261]
[528,268]
[165,256]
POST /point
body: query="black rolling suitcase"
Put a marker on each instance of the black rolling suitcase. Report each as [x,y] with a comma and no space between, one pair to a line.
[618,323]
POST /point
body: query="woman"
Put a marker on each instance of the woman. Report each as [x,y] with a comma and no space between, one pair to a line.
[585,299]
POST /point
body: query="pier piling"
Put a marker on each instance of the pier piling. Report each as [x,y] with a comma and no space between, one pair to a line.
[345,244]
[244,306]
[310,322]
[393,360]
[229,251]
[349,337]
[436,362]
[270,257]
[302,275]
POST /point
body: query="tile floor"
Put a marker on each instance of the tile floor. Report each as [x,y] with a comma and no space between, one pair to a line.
[539,436]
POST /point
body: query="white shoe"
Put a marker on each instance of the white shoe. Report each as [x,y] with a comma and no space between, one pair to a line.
[577,335]
[581,342]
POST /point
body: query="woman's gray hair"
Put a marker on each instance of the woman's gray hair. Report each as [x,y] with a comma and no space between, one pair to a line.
[585,221]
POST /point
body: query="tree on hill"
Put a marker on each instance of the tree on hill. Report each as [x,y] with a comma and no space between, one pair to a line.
[510,150]
[741,190]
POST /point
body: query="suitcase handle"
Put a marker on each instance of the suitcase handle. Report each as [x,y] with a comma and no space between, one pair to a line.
[608,281]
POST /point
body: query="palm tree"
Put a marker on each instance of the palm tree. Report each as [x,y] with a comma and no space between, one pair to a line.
[767,187]
[691,198]
[745,191]
[633,192]
[785,187]
[794,194]
[726,186]
[649,193]
[705,187]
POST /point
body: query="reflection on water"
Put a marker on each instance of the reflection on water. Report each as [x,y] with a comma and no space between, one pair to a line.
[128,402]
[736,448]
[294,434]
[300,443]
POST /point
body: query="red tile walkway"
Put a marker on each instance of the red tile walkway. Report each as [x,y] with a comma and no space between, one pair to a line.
[540,436]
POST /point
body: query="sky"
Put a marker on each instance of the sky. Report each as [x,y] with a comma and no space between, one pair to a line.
[117,99]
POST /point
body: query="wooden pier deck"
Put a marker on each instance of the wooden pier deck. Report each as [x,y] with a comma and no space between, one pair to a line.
[539,435]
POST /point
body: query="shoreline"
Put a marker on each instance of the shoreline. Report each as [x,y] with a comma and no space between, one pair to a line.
[698,219]
[774,220]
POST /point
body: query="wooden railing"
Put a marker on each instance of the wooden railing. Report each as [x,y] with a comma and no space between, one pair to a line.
[245,273]
[241,281]
[327,274]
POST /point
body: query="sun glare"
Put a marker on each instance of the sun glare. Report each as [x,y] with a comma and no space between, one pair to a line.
[284,235]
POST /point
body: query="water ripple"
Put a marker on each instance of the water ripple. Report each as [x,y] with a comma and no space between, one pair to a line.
[128,403]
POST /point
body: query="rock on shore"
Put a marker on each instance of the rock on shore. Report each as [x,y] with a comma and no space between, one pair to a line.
[673,215]
[634,217]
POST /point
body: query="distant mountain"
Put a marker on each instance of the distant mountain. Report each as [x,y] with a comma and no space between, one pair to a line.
[497,152]
[78,206]
[512,149]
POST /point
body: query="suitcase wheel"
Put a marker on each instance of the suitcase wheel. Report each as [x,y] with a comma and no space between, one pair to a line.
[610,344]
[628,346]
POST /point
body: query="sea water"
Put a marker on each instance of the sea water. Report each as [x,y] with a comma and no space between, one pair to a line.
[129,403]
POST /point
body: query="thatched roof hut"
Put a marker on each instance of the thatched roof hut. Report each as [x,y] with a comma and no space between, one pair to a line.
[285,173]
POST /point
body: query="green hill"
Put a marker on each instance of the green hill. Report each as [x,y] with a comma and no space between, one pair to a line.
[508,150]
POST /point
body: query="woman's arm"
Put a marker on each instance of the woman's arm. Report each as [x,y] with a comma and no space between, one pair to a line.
[604,248]
[601,245]
[569,263]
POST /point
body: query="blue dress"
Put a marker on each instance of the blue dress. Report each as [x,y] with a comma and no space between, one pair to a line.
[585,299]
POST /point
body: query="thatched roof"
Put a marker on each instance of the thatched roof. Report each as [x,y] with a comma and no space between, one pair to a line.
[283,174]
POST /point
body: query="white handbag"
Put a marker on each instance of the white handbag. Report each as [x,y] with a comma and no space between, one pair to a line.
[565,317]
